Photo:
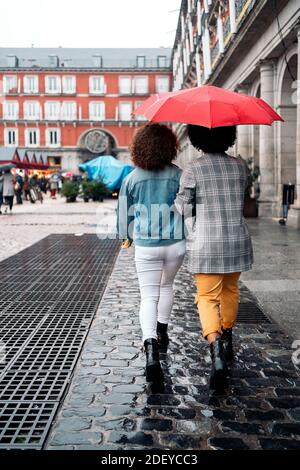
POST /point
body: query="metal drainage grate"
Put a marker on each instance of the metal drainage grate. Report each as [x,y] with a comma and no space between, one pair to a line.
[51,292]
[24,385]
[25,425]
[249,312]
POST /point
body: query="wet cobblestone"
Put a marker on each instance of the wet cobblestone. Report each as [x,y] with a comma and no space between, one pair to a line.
[110,406]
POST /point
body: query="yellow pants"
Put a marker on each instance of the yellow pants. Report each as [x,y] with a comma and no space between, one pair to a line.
[218,300]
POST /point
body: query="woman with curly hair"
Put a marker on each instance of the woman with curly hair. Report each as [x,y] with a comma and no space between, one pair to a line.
[147,216]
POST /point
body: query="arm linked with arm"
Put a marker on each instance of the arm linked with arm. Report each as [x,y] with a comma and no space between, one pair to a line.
[125,209]
[185,201]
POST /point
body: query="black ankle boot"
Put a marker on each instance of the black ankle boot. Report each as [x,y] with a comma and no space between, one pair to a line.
[219,369]
[227,344]
[154,372]
[162,335]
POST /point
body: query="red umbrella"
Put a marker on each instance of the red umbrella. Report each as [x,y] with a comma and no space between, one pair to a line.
[208,106]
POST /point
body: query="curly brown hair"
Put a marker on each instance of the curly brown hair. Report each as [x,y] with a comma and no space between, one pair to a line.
[153,147]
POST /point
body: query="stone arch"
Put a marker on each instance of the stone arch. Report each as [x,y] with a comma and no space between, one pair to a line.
[287,108]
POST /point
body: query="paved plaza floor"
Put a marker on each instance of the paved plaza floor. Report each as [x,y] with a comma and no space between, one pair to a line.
[108,405]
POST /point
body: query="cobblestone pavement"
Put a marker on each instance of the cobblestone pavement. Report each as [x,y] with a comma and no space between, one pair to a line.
[109,405]
[29,223]
[275,277]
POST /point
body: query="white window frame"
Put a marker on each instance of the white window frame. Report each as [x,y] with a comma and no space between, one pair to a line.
[141,91]
[7,107]
[28,137]
[141,61]
[8,141]
[31,90]
[50,141]
[48,110]
[65,81]
[65,114]
[120,112]
[159,78]
[32,110]
[50,90]
[165,61]
[95,115]
[101,88]
[128,90]
[139,117]
[8,89]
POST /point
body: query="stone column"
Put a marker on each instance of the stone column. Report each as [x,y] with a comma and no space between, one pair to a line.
[294,214]
[243,137]
[266,145]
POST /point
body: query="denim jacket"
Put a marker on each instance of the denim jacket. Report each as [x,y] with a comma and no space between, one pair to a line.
[146,211]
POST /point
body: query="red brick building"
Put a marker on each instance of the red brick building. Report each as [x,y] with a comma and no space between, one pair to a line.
[75,104]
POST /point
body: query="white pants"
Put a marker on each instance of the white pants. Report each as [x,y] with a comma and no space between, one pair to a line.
[156,268]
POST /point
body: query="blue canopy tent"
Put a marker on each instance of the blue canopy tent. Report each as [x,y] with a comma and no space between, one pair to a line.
[107,169]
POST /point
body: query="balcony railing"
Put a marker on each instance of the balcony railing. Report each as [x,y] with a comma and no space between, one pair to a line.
[242,7]
[214,52]
[226,29]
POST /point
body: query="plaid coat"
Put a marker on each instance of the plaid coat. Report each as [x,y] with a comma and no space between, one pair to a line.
[213,188]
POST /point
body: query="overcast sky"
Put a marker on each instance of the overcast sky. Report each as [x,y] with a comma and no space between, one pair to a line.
[88,23]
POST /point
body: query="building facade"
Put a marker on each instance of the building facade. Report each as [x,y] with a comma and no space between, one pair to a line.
[75,104]
[253,47]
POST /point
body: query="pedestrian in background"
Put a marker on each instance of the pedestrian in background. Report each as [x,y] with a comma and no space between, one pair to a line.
[1,190]
[219,247]
[8,190]
[53,186]
[26,188]
[19,188]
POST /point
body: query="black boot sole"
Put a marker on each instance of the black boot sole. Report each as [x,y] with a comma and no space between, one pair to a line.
[154,373]
[218,380]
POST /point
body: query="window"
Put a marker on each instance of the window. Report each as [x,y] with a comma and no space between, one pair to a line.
[52,110]
[54,161]
[11,110]
[69,84]
[69,111]
[53,61]
[162,84]
[141,61]
[97,85]
[139,117]
[32,137]
[53,137]
[31,84]
[32,110]
[97,111]
[10,84]
[11,137]
[124,85]
[53,85]
[162,61]
[141,85]
[125,110]
[97,59]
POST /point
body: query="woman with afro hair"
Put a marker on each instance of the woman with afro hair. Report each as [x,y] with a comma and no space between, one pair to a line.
[147,216]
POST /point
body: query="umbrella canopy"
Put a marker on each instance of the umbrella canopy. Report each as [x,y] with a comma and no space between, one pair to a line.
[107,169]
[68,174]
[7,166]
[208,106]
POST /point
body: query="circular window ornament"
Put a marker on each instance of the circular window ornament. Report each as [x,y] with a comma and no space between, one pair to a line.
[96,141]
